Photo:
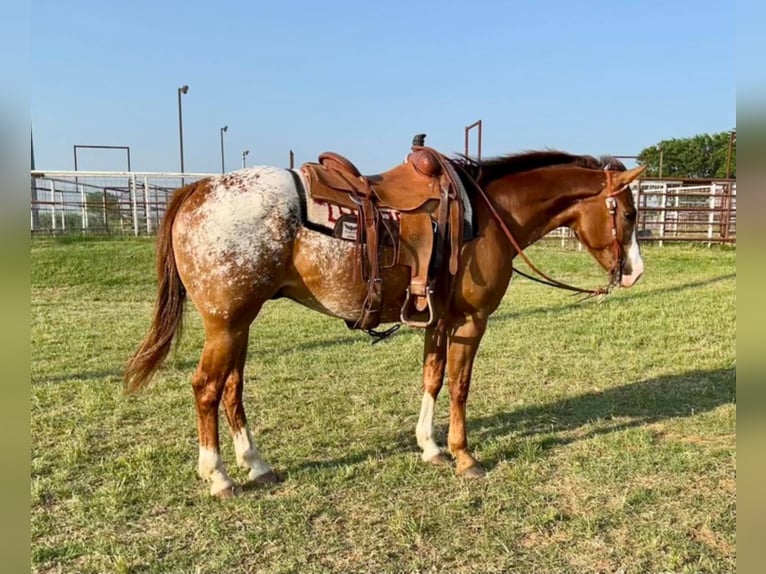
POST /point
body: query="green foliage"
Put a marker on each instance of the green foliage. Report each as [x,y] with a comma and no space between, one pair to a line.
[71,221]
[105,209]
[105,213]
[703,156]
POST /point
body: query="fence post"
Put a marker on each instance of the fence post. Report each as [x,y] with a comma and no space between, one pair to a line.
[134,197]
[146,206]
[53,205]
[664,200]
[63,212]
[711,215]
[727,211]
[83,209]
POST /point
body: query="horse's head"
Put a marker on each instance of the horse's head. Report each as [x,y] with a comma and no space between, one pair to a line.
[605,222]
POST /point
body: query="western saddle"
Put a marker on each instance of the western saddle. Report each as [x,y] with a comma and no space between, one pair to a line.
[428,195]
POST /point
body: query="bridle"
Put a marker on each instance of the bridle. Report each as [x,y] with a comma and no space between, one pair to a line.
[617,248]
[615,273]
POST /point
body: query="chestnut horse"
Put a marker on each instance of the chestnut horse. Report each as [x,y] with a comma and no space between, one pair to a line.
[234,241]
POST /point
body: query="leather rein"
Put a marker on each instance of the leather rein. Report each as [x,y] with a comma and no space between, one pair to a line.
[615,272]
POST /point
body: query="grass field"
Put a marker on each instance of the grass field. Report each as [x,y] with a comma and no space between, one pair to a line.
[608,431]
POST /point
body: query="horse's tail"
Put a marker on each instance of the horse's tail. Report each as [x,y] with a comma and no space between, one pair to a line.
[169,305]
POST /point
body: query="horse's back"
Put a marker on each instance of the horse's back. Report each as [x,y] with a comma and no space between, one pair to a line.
[233,237]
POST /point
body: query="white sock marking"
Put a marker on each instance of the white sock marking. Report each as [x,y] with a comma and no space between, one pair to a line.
[425,427]
[210,468]
[248,456]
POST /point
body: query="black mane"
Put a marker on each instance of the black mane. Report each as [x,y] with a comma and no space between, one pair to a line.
[501,166]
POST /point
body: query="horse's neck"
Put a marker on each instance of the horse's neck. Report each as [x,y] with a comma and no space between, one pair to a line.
[534,204]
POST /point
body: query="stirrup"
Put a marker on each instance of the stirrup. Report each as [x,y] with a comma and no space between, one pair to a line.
[411,322]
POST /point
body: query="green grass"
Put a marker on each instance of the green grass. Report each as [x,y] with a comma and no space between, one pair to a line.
[608,430]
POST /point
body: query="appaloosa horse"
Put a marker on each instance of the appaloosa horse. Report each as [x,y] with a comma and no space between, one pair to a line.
[234,241]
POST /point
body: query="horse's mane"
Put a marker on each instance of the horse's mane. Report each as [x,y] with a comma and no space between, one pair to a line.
[501,166]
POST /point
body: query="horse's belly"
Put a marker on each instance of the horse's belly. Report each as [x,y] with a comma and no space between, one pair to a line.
[323,279]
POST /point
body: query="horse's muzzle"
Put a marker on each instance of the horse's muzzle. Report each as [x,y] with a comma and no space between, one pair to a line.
[630,279]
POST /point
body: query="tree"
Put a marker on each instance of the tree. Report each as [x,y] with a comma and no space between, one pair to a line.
[703,156]
[105,209]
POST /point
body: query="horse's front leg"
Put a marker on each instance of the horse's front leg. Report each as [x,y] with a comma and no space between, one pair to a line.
[434,361]
[464,339]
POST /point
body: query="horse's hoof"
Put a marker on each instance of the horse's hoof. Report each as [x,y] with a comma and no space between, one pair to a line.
[475,471]
[438,459]
[228,492]
[266,479]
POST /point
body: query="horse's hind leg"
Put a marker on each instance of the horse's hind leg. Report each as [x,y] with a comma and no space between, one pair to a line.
[247,453]
[220,363]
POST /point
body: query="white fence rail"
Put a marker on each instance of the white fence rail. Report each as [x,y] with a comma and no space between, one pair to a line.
[114,203]
[672,211]
[669,211]
[133,203]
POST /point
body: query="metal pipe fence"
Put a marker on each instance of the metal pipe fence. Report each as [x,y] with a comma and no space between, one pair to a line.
[133,203]
[106,203]
[674,210]
[671,211]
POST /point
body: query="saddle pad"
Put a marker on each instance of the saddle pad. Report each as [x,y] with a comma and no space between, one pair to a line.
[336,220]
[341,221]
[469,221]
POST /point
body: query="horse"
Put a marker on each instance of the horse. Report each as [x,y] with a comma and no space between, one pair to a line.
[232,242]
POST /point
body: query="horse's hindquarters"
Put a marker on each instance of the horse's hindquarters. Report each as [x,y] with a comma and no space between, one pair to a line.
[233,239]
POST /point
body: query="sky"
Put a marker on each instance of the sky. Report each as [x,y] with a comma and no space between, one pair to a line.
[361,78]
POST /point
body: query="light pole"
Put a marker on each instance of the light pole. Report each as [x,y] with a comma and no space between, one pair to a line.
[244,154]
[182,90]
[223,129]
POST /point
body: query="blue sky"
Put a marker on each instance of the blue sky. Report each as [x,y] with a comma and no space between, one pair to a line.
[361,78]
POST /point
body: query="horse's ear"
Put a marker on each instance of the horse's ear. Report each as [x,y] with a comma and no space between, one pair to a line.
[623,178]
